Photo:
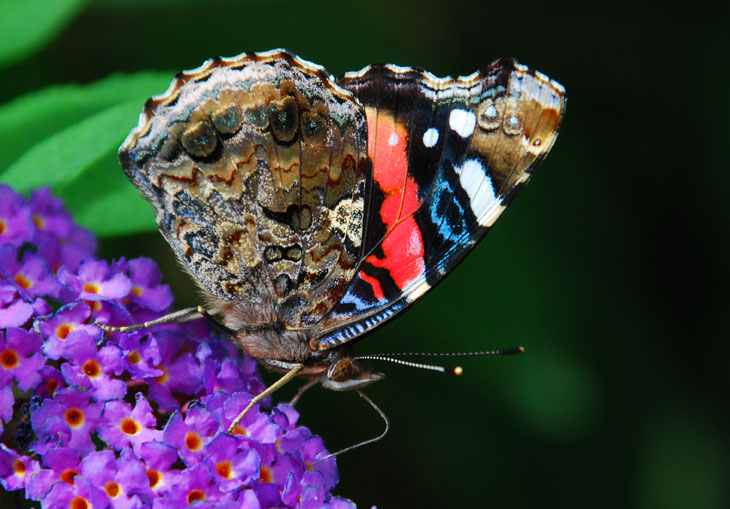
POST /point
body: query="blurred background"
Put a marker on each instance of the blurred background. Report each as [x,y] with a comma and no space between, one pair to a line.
[611,269]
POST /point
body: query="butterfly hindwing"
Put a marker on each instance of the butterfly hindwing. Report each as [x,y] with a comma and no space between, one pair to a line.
[448,157]
[257,169]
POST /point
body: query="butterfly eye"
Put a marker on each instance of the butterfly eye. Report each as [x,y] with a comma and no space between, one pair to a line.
[341,370]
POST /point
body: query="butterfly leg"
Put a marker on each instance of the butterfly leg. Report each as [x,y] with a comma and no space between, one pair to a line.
[184,315]
[302,390]
[270,389]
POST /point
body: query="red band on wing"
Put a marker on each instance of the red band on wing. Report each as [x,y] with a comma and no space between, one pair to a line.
[403,244]
[375,284]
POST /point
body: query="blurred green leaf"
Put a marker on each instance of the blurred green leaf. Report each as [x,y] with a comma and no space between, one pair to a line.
[66,155]
[27,26]
[80,164]
[67,137]
[153,3]
[106,202]
[34,117]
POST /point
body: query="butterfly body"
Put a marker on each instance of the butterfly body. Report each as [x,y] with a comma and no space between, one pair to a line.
[311,210]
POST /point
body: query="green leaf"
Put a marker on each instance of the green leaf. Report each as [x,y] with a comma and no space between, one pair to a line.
[27,25]
[26,121]
[106,202]
[66,155]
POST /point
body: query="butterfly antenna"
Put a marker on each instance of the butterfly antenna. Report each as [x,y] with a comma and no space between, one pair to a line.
[366,442]
[456,370]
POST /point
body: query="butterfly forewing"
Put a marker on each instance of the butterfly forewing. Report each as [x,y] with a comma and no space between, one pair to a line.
[448,156]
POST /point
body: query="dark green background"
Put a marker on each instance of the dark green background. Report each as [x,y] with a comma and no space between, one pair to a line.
[611,269]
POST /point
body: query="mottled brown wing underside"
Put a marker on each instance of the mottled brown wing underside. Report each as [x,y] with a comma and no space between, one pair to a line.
[257,169]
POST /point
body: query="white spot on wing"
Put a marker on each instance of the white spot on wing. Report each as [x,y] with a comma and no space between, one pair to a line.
[430,137]
[393,140]
[462,122]
[418,290]
[478,186]
[415,244]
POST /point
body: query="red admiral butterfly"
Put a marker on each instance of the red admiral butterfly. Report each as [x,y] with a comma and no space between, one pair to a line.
[311,210]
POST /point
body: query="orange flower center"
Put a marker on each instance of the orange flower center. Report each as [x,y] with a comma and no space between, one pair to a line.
[52,386]
[224,469]
[136,291]
[129,426]
[91,369]
[238,430]
[38,222]
[192,441]
[74,417]
[63,330]
[22,282]
[134,357]
[194,496]
[19,468]
[154,477]
[163,377]
[112,489]
[91,288]
[67,476]
[9,359]
[265,475]
[79,503]
[2,226]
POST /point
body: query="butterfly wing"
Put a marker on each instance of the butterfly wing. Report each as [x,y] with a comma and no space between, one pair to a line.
[257,169]
[448,156]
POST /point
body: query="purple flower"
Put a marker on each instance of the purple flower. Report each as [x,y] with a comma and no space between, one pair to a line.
[140,358]
[130,419]
[122,426]
[48,214]
[255,424]
[66,420]
[51,379]
[58,255]
[93,368]
[15,223]
[6,405]
[147,292]
[195,485]
[14,311]
[122,479]
[159,459]
[60,465]
[189,435]
[95,281]
[180,372]
[15,469]
[56,328]
[31,276]
[232,466]
[20,358]
[51,220]
[79,494]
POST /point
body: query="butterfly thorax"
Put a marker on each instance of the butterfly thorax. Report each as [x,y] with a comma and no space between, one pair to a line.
[262,334]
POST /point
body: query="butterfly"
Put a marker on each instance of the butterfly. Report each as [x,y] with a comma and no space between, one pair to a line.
[310,210]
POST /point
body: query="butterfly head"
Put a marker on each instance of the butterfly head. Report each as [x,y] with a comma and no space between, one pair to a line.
[347,373]
[337,371]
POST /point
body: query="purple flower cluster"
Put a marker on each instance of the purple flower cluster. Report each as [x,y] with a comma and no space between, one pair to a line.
[136,419]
